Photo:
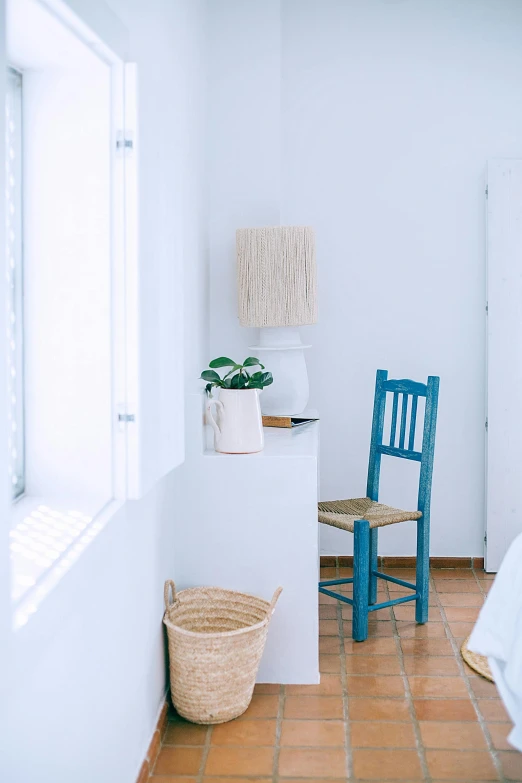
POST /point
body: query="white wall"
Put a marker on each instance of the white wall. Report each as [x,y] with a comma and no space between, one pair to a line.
[373,123]
[5,495]
[89,666]
[92,669]
[244,147]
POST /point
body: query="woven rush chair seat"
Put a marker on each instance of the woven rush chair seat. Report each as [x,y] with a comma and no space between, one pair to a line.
[343,513]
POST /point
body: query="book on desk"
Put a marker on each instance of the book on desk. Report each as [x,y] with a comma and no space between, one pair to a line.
[287,421]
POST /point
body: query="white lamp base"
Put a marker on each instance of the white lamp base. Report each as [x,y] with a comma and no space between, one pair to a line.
[281,350]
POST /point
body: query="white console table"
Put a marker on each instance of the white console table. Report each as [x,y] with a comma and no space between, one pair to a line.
[252,526]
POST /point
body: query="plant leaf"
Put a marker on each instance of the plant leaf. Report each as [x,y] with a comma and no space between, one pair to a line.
[238,382]
[266,379]
[222,361]
[208,388]
[227,383]
[210,375]
[252,362]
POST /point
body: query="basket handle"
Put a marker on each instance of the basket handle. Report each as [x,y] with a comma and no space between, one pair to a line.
[169,588]
[274,600]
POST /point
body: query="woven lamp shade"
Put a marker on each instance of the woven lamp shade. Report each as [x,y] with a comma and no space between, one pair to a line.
[276,273]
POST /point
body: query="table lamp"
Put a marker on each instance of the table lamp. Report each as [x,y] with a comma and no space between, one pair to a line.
[277,290]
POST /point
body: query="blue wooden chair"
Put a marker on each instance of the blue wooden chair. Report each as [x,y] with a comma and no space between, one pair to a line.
[364,516]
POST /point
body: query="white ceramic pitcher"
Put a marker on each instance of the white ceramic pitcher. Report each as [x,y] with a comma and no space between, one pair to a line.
[239,427]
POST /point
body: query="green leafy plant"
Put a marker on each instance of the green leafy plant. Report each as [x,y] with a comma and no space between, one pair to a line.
[238,377]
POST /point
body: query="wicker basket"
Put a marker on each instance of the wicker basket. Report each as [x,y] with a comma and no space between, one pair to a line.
[216,639]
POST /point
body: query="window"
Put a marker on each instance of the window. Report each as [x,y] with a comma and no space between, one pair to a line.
[66,449]
[101,416]
[14,272]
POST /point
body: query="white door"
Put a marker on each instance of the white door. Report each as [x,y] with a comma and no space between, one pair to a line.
[504,359]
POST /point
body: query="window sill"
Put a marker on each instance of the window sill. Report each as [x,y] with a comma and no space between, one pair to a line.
[47,538]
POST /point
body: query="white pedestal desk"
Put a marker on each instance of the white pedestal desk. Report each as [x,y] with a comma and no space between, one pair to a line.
[251,525]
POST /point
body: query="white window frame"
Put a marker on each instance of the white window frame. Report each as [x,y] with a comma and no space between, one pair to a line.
[14,280]
[124,319]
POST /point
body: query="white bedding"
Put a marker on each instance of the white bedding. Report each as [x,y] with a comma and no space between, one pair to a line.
[498,635]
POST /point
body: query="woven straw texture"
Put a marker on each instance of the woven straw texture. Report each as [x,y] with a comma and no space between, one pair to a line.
[479,663]
[276,275]
[343,513]
[216,638]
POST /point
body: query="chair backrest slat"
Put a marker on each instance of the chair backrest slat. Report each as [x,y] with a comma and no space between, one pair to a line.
[404,413]
[393,428]
[406,388]
[413,422]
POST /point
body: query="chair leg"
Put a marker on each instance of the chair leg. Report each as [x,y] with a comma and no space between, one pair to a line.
[361,579]
[372,592]
[423,569]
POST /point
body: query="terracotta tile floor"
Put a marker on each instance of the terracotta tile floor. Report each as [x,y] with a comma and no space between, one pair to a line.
[401,706]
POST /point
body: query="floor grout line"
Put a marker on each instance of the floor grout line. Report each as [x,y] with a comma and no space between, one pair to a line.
[279,728]
[204,757]
[409,698]
[462,669]
[344,685]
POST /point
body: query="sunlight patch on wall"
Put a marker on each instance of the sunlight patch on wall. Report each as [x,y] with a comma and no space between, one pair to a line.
[44,545]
